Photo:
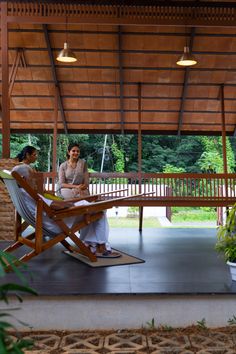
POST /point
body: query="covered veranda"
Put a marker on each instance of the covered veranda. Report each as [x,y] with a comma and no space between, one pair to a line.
[125,80]
[182,274]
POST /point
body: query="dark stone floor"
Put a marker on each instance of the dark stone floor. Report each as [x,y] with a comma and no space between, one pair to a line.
[177,261]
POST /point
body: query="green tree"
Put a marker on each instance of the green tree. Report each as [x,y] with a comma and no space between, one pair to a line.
[119,157]
[19,141]
[172,169]
[211,159]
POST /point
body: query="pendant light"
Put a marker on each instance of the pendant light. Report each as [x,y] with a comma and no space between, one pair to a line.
[186,59]
[66,55]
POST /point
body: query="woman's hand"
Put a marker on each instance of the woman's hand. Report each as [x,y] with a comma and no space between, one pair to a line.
[80,187]
[61,204]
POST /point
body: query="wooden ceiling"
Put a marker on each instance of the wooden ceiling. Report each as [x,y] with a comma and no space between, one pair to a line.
[126,75]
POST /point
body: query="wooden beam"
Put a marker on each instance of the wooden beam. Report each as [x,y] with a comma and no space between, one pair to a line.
[183,13]
[55,80]
[128,83]
[133,68]
[140,151]
[139,134]
[5,83]
[135,51]
[124,33]
[148,97]
[54,154]
[118,110]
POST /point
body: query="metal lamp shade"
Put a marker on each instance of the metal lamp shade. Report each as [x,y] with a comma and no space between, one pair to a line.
[186,59]
[66,55]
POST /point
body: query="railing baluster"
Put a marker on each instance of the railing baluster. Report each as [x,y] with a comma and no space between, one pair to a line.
[187,187]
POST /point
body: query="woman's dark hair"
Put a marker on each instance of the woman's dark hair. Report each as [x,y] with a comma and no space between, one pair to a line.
[26,150]
[70,146]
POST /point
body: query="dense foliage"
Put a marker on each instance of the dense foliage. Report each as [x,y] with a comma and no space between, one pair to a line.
[226,237]
[120,152]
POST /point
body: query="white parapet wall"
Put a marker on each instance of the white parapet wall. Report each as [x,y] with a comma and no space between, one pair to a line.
[122,311]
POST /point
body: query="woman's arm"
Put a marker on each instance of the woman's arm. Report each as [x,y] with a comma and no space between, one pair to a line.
[86,175]
[62,177]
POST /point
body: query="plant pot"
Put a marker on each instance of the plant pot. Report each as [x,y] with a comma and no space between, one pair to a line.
[232,267]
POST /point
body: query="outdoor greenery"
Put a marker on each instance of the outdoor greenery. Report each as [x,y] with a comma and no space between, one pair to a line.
[179,215]
[8,344]
[120,153]
[226,237]
[198,214]
[150,222]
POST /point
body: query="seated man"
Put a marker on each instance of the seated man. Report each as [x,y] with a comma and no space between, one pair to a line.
[94,235]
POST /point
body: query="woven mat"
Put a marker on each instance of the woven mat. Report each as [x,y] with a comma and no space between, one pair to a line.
[107,262]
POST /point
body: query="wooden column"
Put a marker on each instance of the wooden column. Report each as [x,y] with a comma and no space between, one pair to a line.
[224,137]
[139,136]
[55,113]
[5,83]
[140,152]
[223,128]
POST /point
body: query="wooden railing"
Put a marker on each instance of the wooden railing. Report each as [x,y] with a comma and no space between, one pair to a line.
[164,189]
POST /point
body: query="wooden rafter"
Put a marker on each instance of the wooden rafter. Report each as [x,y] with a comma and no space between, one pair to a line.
[54,75]
[128,83]
[19,60]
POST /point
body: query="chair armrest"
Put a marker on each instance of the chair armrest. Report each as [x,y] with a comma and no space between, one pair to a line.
[90,208]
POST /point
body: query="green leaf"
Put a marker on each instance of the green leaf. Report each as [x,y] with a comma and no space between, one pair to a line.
[11,287]
[4,325]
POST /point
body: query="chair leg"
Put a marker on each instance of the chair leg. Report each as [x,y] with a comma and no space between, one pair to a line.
[82,248]
[19,261]
[28,256]
[67,246]
[71,234]
[18,244]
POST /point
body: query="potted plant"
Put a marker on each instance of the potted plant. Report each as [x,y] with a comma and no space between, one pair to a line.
[226,241]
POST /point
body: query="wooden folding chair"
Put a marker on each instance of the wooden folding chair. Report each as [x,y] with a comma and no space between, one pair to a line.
[30,230]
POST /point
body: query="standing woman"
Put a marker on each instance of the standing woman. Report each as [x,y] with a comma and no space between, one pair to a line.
[28,155]
[73,174]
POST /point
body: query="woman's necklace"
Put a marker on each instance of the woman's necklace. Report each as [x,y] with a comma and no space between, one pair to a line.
[72,164]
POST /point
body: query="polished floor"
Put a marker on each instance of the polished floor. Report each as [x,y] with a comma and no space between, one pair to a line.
[177,261]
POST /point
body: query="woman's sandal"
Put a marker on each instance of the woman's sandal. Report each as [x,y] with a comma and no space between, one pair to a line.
[108,254]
